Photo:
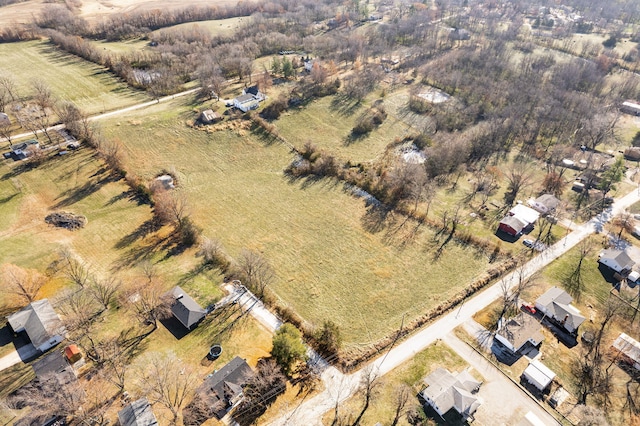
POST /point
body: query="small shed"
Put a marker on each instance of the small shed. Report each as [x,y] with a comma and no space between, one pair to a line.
[4,119]
[185,309]
[209,116]
[616,260]
[538,375]
[72,353]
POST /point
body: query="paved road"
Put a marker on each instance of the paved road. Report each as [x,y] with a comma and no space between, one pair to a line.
[25,352]
[339,387]
[503,402]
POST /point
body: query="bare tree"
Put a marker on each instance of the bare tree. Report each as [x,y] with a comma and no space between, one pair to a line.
[625,222]
[403,393]
[45,103]
[573,282]
[168,381]
[369,384]
[8,91]
[149,302]
[74,268]
[519,176]
[24,283]
[49,395]
[261,390]
[104,290]
[591,377]
[170,207]
[512,291]
[256,271]
[6,131]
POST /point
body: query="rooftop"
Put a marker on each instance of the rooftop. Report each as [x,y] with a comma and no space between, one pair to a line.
[39,320]
[137,413]
[520,329]
[185,309]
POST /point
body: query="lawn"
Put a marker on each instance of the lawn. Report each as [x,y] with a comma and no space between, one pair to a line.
[410,374]
[327,122]
[70,78]
[216,27]
[330,259]
[79,183]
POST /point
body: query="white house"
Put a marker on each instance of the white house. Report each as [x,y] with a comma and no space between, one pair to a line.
[538,375]
[255,92]
[40,322]
[544,204]
[308,65]
[445,391]
[617,260]
[556,304]
[525,214]
[245,102]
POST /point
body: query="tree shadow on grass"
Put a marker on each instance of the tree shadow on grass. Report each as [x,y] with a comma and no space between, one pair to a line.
[145,229]
[344,105]
[79,193]
[354,137]
[18,170]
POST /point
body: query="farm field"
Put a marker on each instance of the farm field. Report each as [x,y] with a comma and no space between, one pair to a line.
[93,10]
[329,259]
[91,87]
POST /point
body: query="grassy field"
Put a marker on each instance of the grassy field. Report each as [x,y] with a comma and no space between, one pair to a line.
[217,27]
[79,183]
[331,260]
[70,78]
[410,374]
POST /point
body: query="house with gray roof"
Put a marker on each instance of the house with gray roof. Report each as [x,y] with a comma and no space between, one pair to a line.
[222,391]
[556,305]
[137,413]
[40,322]
[616,260]
[446,391]
[185,309]
[515,333]
[246,102]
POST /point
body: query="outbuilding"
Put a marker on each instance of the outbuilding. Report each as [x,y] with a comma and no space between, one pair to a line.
[538,375]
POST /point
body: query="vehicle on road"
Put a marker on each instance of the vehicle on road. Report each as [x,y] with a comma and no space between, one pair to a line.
[535,245]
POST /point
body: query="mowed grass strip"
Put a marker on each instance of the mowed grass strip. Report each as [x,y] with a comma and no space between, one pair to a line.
[91,87]
[328,265]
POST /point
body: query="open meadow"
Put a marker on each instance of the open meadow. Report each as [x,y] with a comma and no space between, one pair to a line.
[333,259]
[91,87]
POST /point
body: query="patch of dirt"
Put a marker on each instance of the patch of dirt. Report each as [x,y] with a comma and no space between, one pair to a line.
[66,220]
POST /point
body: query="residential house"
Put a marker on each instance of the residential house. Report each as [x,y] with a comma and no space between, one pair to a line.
[4,119]
[629,350]
[209,116]
[255,92]
[538,375]
[222,391]
[446,391]
[544,204]
[630,107]
[519,219]
[24,150]
[137,413]
[518,331]
[616,260]
[245,102]
[40,322]
[185,309]
[556,305]
[511,225]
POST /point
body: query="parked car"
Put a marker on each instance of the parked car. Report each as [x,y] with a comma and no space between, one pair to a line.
[529,308]
[535,245]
